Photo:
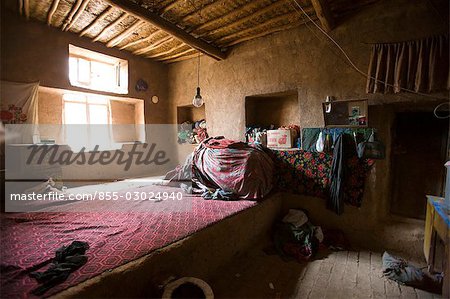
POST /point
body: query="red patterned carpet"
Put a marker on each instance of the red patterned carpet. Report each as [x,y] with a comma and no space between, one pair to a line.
[115,237]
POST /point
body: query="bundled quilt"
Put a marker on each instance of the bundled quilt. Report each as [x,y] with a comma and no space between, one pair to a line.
[228,170]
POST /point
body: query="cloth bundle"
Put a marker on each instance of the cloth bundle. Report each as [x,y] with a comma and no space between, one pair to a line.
[67,259]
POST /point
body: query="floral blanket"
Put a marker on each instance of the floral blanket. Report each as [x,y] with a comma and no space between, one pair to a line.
[308,173]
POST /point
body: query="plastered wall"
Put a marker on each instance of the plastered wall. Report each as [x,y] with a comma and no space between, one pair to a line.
[305,61]
[32,51]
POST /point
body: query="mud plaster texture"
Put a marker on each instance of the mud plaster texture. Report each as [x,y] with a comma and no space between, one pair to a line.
[31,51]
[298,60]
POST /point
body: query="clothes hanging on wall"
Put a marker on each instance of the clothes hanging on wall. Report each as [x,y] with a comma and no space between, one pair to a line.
[344,149]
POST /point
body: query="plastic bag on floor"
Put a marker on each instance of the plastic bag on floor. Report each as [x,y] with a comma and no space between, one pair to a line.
[401,271]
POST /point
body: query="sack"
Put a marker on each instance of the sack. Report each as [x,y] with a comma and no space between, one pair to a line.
[371,149]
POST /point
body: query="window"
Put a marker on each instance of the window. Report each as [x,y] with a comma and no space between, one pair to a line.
[92,70]
[106,121]
[88,122]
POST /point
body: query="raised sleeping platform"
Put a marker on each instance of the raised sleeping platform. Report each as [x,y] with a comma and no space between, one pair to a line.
[132,253]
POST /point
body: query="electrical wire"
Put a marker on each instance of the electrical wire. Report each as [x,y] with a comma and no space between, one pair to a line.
[350,61]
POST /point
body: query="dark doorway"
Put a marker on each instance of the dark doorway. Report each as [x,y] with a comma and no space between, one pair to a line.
[419,148]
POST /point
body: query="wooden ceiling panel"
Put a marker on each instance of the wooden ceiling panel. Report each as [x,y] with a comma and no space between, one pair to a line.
[173,30]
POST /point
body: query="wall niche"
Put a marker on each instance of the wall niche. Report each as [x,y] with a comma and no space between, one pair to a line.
[276,109]
[190,113]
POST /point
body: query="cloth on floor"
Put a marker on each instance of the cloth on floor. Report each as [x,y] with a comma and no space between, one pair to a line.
[401,271]
[295,242]
[344,149]
[67,259]
[295,217]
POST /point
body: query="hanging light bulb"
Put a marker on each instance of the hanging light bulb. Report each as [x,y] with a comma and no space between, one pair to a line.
[198,100]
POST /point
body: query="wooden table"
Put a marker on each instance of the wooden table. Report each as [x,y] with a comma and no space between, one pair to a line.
[437,224]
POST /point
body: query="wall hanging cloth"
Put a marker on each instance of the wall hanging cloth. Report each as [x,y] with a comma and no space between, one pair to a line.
[19,105]
[310,136]
[308,173]
[419,65]
[344,149]
[371,148]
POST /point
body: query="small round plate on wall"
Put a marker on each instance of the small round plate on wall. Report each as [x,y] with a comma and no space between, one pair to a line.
[155,99]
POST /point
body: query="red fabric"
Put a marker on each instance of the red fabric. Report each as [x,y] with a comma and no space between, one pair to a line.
[221,143]
[115,238]
[240,168]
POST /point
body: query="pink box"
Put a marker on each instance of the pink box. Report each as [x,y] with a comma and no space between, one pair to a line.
[280,138]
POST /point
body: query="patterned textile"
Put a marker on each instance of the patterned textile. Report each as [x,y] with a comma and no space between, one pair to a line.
[308,173]
[115,238]
[237,168]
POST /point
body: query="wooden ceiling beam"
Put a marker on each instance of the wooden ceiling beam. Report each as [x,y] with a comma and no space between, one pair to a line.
[169,51]
[52,11]
[100,17]
[269,22]
[121,36]
[72,12]
[110,26]
[252,16]
[153,18]
[26,8]
[77,14]
[158,43]
[141,40]
[230,15]
[179,54]
[324,14]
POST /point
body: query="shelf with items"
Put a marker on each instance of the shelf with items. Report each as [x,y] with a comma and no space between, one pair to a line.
[191,124]
[270,112]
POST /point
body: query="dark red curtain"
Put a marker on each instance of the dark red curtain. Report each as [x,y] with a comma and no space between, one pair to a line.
[420,65]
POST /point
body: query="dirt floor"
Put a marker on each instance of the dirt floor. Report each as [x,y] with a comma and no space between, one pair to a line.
[344,274]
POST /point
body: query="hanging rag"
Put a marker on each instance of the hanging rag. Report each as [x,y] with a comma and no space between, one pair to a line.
[67,259]
[344,148]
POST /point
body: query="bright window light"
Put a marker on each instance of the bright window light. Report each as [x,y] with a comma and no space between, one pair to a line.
[92,70]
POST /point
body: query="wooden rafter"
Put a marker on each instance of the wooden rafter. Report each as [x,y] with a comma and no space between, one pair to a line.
[269,22]
[179,54]
[102,16]
[77,14]
[257,14]
[110,26]
[169,51]
[141,40]
[153,18]
[168,7]
[203,8]
[121,36]
[158,43]
[71,14]
[51,11]
[26,8]
[324,14]
[229,16]
[20,7]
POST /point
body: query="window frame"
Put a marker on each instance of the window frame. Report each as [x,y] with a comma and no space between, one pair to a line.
[120,66]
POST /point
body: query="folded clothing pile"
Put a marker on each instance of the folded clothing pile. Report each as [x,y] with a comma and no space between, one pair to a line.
[296,237]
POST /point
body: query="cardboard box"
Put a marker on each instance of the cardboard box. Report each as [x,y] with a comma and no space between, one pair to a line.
[280,138]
